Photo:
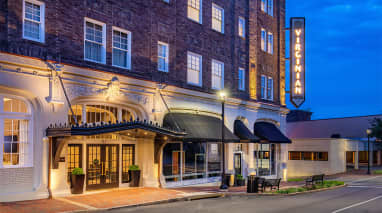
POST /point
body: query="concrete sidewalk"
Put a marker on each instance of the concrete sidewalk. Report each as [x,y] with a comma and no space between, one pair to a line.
[116,198]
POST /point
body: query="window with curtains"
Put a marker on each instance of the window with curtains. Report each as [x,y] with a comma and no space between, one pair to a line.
[121,48]
[217,75]
[34,20]
[194,69]
[263,87]
[163,56]
[241,79]
[15,133]
[242,27]
[194,10]
[270,89]
[217,18]
[270,43]
[95,41]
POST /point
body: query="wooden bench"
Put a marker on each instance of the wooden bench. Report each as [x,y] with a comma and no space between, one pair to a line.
[272,183]
[314,179]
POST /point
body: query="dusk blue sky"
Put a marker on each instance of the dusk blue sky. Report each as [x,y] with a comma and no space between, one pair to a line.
[343,56]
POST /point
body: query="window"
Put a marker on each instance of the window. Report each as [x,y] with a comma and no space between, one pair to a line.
[121,48]
[263,87]
[242,27]
[311,156]
[34,20]
[270,89]
[167,1]
[241,79]
[74,158]
[95,41]
[194,69]
[264,5]
[128,159]
[194,10]
[263,40]
[217,18]
[16,148]
[270,43]
[265,160]
[270,7]
[163,56]
[217,75]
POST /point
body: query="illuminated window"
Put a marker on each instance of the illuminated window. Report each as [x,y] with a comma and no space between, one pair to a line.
[263,40]
[264,5]
[163,57]
[121,48]
[242,27]
[34,20]
[270,89]
[263,87]
[241,79]
[217,75]
[270,7]
[74,158]
[15,136]
[270,43]
[194,10]
[128,159]
[217,18]
[309,156]
[95,41]
[194,69]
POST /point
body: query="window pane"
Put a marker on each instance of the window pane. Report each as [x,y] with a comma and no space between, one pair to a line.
[193,73]
[194,10]
[171,162]
[194,161]
[15,133]
[119,58]
[93,51]
[14,105]
[31,29]
[217,18]
[128,158]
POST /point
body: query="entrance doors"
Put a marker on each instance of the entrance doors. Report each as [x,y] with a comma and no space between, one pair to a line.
[237,163]
[102,166]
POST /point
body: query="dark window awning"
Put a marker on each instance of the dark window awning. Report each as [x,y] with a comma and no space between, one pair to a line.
[241,131]
[199,128]
[269,132]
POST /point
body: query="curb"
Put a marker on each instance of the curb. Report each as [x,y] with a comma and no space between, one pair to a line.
[173,200]
[291,194]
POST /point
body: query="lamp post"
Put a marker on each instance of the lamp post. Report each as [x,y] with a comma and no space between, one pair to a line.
[368,132]
[222,95]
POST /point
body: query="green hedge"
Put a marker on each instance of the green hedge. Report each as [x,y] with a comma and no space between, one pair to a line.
[325,184]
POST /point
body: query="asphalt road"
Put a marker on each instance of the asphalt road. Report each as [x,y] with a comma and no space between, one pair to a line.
[363,195]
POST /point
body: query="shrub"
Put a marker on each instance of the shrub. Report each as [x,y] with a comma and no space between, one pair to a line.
[77,171]
[378,172]
[134,168]
[239,177]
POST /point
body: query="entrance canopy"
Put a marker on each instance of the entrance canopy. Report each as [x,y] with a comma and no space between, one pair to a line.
[269,132]
[245,135]
[199,128]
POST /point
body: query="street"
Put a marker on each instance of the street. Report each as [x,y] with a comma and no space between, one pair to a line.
[363,195]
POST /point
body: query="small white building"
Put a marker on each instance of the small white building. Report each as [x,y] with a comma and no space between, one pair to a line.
[329,146]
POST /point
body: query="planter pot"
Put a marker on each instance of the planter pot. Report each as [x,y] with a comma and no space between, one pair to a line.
[77,184]
[134,178]
[240,182]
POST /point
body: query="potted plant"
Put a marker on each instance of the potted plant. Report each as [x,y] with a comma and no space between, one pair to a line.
[240,180]
[135,175]
[77,181]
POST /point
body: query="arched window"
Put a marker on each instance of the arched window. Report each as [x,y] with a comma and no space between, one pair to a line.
[15,132]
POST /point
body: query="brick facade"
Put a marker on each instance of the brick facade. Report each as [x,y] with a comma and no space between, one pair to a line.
[155,20]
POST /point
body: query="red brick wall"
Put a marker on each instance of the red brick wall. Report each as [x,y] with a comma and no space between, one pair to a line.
[150,21]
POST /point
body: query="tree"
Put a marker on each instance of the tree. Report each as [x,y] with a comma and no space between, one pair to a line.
[376,128]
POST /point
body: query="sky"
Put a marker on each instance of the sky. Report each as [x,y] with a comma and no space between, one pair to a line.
[343,56]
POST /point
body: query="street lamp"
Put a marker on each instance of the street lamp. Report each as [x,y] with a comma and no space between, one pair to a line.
[223,96]
[368,132]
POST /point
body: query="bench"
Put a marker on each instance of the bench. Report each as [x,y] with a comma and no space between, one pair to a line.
[272,183]
[314,179]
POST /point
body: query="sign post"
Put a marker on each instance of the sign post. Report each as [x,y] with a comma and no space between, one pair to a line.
[297,61]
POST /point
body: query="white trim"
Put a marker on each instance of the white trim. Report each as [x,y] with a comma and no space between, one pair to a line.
[128,59]
[200,69]
[103,53]
[222,17]
[42,21]
[212,74]
[167,64]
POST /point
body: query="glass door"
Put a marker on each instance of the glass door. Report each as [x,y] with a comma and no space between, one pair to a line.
[102,166]
[237,163]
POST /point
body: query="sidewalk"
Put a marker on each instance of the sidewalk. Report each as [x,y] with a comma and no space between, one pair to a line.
[103,200]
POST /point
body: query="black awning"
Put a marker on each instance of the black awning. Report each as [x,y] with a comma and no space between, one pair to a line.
[269,132]
[103,128]
[199,128]
[241,131]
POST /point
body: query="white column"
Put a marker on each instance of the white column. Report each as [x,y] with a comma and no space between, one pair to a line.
[149,173]
[251,159]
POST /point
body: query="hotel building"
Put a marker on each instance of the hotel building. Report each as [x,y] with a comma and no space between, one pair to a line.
[103,85]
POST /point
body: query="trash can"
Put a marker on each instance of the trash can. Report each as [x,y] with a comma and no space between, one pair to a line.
[253,184]
[227,179]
